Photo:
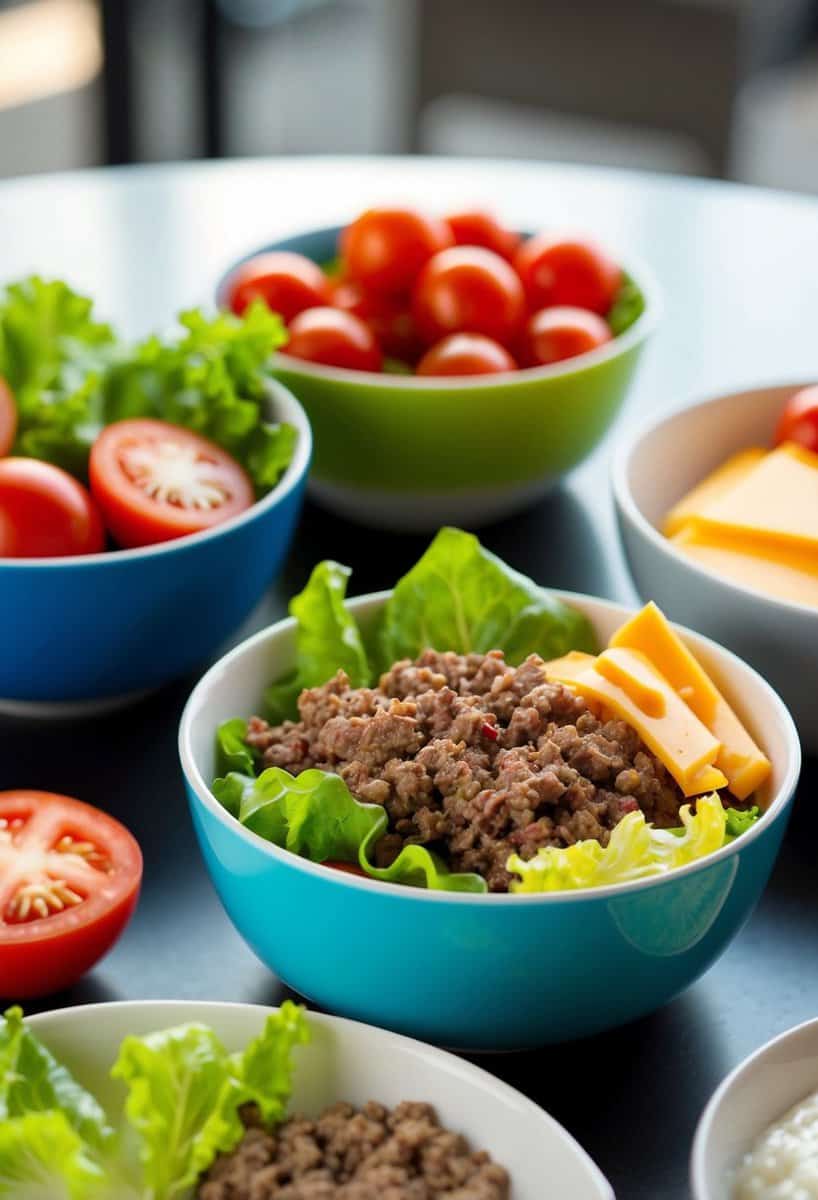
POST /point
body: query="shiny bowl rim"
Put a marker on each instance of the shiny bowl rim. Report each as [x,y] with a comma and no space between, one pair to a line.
[779,802]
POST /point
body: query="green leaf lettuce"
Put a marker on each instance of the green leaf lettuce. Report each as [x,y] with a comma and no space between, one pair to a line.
[315,815]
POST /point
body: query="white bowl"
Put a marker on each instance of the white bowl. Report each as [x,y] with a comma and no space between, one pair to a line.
[652,470]
[349,1061]
[756,1094]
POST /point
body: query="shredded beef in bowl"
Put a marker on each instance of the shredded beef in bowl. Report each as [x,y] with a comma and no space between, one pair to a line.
[474,758]
[372,1153]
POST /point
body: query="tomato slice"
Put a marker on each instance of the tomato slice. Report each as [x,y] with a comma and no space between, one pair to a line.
[155,481]
[347,867]
[8,418]
[69,882]
[45,512]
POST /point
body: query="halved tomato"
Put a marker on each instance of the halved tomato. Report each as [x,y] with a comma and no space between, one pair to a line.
[44,511]
[69,882]
[8,418]
[155,481]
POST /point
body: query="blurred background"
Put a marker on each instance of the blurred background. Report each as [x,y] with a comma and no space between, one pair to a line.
[725,88]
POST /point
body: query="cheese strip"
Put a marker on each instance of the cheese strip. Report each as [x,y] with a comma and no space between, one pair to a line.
[716,485]
[739,758]
[776,503]
[775,570]
[677,737]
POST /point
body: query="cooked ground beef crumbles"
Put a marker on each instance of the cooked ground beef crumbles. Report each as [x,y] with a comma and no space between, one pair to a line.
[474,758]
[355,1154]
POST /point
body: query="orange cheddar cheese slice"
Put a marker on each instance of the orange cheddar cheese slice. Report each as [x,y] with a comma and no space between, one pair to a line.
[787,574]
[716,485]
[739,758]
[775,502]
[625,682]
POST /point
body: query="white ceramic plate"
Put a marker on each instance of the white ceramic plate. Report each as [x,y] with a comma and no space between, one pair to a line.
[349,1061]
[756,1094]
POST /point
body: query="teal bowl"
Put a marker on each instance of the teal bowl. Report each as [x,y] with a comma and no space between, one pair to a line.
[413,453]
[488,972]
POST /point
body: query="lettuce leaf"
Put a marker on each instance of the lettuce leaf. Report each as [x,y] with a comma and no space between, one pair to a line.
[265,1068]
[185,1090]
[739,820]
[315,815]
[327,640]
[71,376]
[32,1081]
[627,308]
[232,751]
[42,1157]
[461,597]
[635,850]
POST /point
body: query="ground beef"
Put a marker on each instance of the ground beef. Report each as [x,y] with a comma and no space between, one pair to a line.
[474,758]
[355,1154]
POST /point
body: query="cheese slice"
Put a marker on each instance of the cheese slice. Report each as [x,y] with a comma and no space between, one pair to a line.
[739,758]
[716,485]
[775,503]
[785,573]
[623,680]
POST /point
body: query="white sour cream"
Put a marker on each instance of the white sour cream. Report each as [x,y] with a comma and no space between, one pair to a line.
[783,1164]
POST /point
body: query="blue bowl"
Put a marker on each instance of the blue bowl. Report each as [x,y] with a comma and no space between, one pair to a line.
[86,632]
[484,971]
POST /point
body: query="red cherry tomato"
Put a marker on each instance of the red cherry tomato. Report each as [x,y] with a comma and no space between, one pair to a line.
[8,418]
[475,227]
[385,248]
[45,512]
[348,868]
[69,881]
[466,354]
[388,317]
[553,334]
[286,282]
[155,481]
[334,338]
[468,290]
[567,271]
[799,420]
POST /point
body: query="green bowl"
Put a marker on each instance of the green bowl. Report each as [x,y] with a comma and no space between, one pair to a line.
[409,453]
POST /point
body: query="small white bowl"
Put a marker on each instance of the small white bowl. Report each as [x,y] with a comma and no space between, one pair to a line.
[349,1061]
[758,1093]
[652,470]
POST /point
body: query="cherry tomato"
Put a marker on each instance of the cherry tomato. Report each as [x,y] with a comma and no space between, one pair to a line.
[466,354]
[388,317]
[385,248]
[69,881]
[475,227]
[347,867]
[45,512]
[155,481]
[553,334]
[8,418]
[287,283]
[468,290]
[334,338]
[567,271]
[799,420]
